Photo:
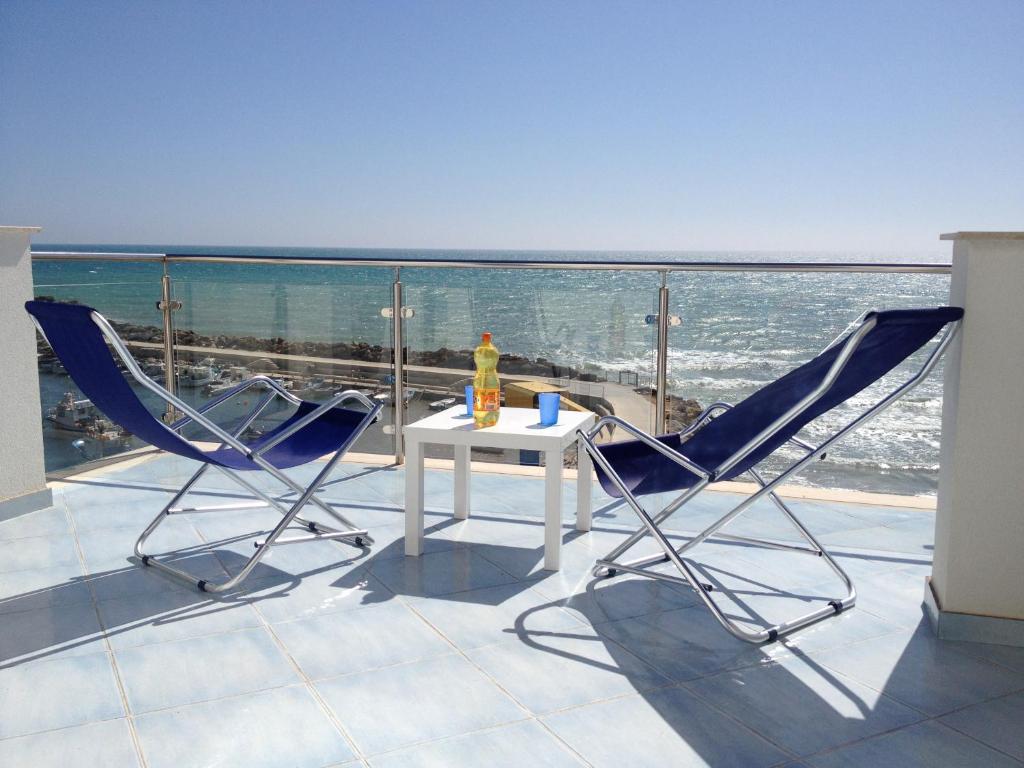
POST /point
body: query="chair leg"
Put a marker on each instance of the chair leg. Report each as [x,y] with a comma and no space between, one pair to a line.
[610,565]
[641,532]
[324,506]
[355,537]
[314,526]
[165,513]
[361,536]
[851,592]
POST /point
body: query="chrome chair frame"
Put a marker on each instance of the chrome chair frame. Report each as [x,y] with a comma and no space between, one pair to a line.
[347,533]
[609,565]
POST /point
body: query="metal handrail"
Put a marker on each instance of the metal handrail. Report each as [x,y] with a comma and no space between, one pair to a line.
[442,263]
[95,256]
[657,267]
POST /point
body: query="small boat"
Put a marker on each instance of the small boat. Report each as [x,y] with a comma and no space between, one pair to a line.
[102,439]
[195,376]
[74,414]
[156,371]
[385,397]
[228,378]
[440,405]
[106,431]
[53,366]
[315,385]
[218,387]
[235,373]
[263,365]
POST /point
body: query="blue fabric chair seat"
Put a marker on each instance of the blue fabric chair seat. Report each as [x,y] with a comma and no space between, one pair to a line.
[897,335]
[323,436]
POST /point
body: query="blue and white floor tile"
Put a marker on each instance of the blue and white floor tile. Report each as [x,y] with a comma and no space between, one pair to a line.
[473,654]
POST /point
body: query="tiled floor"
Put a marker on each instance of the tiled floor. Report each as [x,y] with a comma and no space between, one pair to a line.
[472,655]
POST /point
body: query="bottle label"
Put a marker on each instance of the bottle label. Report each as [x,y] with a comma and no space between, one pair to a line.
[486,399]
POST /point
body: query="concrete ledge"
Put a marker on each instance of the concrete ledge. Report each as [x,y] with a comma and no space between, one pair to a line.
[970,628]
[122,460]
[968,235]
[22,505]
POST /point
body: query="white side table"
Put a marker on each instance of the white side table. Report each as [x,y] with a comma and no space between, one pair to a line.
[517,428]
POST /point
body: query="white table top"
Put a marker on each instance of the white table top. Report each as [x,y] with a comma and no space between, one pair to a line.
[516,428]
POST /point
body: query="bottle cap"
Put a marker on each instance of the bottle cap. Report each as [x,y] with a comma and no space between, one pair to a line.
[487,337]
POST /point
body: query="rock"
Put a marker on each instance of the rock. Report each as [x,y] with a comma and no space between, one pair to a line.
[682,413]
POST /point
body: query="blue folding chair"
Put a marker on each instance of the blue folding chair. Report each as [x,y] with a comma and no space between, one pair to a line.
[79,336]
[727,441]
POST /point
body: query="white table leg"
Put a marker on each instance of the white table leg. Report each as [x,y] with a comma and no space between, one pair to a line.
[413,498]
[584,471]
[461,482]
[552,510]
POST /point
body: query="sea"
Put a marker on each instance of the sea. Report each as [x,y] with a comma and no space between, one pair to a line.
[732,332]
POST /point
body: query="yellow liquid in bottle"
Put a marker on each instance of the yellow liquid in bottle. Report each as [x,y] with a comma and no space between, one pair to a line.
[486,387]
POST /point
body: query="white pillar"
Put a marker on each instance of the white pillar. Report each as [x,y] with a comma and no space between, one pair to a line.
[22,475]
[977,585]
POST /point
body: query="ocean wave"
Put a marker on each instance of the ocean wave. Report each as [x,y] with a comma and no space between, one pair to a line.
[718,384]
[719,360]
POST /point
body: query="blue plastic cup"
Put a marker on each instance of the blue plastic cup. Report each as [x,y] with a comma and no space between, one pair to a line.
[549,402]
[469,399]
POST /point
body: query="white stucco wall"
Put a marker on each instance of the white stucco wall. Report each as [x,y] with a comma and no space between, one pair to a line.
[979,532]
[21,434]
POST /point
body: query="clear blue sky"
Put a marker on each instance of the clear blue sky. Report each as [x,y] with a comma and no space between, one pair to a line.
[633,125]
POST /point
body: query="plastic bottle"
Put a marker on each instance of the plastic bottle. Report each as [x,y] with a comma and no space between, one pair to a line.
[486,387]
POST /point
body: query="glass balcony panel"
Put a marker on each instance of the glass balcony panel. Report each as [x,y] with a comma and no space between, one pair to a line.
[592,333]
[584,332]
[317,330]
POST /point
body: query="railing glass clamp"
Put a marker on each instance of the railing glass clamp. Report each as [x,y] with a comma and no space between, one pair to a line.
[673,320]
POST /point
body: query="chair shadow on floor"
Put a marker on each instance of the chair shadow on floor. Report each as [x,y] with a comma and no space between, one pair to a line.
[736,678]
[61,619]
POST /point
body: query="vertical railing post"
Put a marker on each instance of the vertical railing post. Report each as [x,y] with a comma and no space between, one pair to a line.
[398,393]
[661,384]
[166,306]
